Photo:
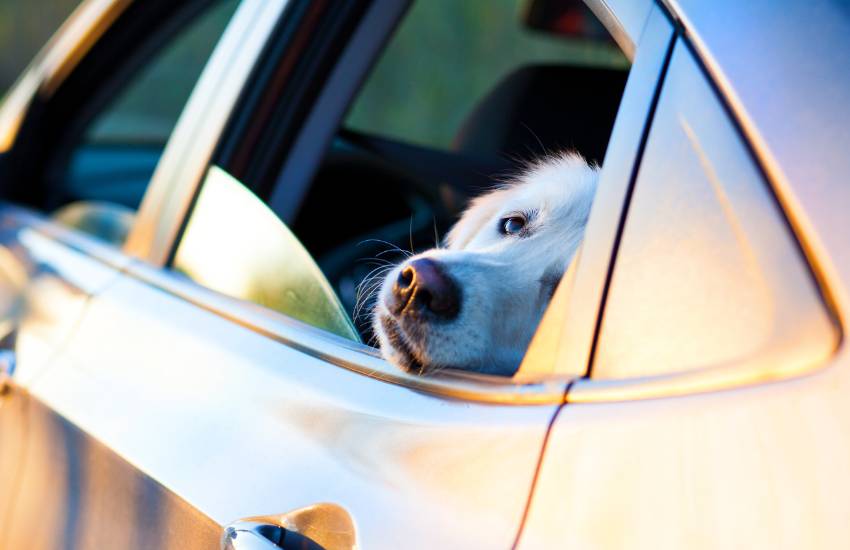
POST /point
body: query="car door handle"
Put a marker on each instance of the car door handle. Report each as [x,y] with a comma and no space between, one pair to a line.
[257,535]
[318,527]
[7,369]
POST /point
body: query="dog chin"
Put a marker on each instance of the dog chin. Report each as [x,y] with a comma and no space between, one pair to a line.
[403,348]
[398,349]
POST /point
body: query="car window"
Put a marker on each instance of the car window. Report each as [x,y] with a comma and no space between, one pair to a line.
[377,197]
[707,273]
[115,155]
[254,256]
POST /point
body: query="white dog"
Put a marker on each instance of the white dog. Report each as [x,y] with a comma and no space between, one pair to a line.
[475,304]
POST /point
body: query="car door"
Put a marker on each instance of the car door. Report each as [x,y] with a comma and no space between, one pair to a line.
[186,411]
[683,435]
[76,162]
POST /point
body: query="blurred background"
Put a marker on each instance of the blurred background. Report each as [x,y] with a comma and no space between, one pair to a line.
[25,25]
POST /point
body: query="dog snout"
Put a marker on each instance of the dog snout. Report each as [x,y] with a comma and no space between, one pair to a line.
[423,287]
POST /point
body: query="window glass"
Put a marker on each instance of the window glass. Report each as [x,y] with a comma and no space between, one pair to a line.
[707,273]
[446,55]
[235,245]
[111,165]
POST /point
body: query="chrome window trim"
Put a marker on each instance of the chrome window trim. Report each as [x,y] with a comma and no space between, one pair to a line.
[305,338]
[187,154]
[90,246]
[344,353]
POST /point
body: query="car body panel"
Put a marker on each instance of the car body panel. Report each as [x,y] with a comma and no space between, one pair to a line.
[239,424]
[53,271]
[709,289]
[760,467]
[788,86]
[47,276]
[13,440]
[146,411]
[76,492]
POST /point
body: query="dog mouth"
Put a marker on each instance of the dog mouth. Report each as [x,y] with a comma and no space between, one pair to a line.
[408,359]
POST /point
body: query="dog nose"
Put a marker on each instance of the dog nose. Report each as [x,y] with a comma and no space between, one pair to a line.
[423,286]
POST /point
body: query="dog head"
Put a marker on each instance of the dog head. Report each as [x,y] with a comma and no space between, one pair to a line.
[476,303]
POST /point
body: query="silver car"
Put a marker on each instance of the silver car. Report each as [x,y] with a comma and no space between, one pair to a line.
[190,190]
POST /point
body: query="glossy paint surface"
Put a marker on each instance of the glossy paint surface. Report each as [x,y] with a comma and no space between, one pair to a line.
[47,275]
[241,425]
[707,273]
[782,68]
[76,492]
[238,423]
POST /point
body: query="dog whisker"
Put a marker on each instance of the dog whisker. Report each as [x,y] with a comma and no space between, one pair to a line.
[365,291]
[410,234]
[392,247]
[436,234]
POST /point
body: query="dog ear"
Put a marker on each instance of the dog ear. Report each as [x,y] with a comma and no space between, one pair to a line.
[474,218]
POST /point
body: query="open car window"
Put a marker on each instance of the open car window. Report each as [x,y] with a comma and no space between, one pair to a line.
[384,191]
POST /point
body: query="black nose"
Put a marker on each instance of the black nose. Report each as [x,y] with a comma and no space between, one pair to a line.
[424,287]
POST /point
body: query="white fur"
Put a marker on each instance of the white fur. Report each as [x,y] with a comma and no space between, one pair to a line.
[506,281]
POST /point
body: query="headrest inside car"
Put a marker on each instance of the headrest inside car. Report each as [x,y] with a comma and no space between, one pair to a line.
[545,108]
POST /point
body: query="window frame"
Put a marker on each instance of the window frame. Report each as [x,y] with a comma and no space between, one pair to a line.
[182,167]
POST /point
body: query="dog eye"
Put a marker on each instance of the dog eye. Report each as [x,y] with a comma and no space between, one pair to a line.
[512,225]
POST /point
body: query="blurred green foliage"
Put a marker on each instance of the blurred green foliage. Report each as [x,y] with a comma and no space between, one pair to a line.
[25,26]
